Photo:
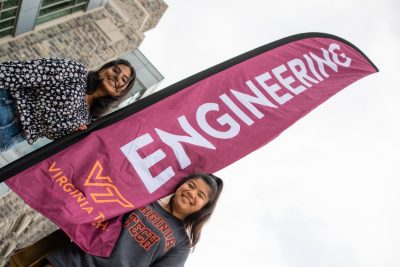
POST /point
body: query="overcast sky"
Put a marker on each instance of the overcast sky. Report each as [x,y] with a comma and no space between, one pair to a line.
[326,191]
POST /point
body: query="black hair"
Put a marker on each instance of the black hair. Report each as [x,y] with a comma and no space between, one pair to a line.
[194,223]
[100,105]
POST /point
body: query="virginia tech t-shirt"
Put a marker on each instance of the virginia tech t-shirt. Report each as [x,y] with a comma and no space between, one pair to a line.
[150,237]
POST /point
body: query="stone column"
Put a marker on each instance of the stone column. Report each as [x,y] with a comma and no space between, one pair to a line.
[27,15]
[95,4]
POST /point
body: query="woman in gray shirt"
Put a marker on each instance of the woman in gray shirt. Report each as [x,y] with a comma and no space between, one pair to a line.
[158,235]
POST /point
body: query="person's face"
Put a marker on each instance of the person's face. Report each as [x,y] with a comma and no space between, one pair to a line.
[115,79]
[191,197]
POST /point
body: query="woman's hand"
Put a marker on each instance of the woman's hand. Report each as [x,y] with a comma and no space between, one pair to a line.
[81,127]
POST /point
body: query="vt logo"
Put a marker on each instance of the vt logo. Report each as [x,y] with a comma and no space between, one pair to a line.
[110,191]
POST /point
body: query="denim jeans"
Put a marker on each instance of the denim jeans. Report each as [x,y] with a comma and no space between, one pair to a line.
[10,129]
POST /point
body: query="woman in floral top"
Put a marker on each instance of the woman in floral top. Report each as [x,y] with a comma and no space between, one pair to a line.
[53,97]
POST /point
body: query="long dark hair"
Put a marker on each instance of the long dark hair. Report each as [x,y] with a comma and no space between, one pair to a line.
[100,105]
[194,222]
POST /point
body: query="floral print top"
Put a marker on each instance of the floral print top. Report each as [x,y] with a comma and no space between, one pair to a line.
[49,95]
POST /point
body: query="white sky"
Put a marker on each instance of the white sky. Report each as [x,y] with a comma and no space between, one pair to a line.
[326,191]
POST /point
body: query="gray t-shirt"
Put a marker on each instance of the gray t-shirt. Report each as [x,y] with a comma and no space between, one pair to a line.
[150,237]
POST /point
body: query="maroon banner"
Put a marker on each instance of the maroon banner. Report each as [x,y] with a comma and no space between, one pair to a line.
[211,120]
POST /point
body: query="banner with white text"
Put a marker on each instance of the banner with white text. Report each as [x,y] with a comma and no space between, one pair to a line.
[201,124]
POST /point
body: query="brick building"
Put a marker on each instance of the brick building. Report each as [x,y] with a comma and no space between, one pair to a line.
[91,31]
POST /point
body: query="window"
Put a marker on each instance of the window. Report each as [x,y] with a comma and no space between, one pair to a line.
[8,14]
[52,9]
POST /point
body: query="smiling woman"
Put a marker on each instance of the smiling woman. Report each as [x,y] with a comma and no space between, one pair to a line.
[53,97]
[108,84]
[160,234]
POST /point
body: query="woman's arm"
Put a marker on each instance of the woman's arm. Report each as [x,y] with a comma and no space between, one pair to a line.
[40,73]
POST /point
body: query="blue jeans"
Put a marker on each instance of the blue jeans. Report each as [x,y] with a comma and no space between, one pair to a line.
[10,129]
